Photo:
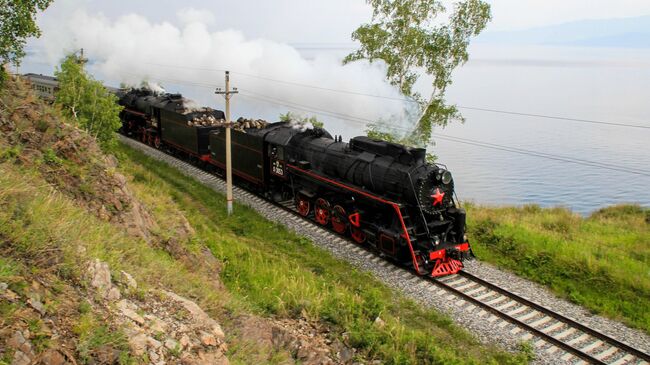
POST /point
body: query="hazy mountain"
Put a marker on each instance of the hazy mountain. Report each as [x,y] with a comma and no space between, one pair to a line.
[620,32]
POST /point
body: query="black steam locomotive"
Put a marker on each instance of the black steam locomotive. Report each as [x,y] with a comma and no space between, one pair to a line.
[379,193]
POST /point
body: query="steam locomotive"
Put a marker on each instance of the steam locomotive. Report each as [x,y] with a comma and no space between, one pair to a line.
[378,193]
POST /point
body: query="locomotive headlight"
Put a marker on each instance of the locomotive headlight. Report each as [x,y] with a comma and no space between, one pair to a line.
[436,240]
[446,177]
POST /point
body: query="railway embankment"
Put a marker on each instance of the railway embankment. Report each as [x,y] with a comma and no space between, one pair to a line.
[601,262]
[126,260]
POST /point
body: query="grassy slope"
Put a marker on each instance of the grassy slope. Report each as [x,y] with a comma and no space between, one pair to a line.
[601,262]
[272,271]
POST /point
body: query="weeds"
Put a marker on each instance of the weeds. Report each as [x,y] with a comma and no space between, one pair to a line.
[94,335]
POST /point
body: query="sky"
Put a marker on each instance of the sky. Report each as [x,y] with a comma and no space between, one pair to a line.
[332,21]
[192,41]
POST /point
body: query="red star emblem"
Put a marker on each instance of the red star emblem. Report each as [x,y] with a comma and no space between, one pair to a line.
[437,197]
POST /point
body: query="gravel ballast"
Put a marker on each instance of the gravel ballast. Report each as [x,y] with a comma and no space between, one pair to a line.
[485,326]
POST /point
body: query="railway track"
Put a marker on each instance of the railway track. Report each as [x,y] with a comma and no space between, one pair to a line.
[550,332]
[579,342]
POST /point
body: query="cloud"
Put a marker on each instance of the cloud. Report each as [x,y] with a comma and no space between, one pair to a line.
[131,48]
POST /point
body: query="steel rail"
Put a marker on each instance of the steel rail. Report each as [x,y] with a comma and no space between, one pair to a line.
[546,337]
[549,312]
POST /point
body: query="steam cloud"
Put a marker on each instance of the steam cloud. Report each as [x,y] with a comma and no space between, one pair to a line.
[131,49]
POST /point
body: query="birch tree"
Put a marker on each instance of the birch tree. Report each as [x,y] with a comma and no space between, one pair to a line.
[87,101]
[416,37]
[16,25]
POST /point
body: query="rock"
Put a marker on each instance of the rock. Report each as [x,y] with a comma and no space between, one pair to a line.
[100,277]
[113,294]
[138,344]
[128,309]
[207,339]
[20,343]
[37,305]
[155,324]
[128,280]
[106,354]
[379,323]
[10,295]
[346,354]
[217,331]
[53,357]
[171,344]
[152,342]
[210,358]
[20,358]
[17,340]
[153,356]
[185,341]
[198,315]
[3,286]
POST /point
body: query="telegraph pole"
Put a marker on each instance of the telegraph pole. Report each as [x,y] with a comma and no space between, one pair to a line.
[227,94]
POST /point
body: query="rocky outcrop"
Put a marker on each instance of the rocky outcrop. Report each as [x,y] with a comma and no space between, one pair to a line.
[160,325]
[70,160]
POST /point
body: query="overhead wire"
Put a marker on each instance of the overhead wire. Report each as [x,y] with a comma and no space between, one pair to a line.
[467,141]
[401,99]
[477,143]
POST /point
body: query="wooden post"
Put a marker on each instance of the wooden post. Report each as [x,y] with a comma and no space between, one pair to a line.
[227,94]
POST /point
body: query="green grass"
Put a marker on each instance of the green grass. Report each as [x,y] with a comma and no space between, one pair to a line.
[601,262]
[94,335]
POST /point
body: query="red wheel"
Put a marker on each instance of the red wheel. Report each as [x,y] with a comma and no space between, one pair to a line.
[339,219]
[358,235]
[322,211]
[302,205]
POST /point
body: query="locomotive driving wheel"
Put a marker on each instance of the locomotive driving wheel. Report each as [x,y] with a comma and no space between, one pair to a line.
[322,211]
[302,205]
[339,219]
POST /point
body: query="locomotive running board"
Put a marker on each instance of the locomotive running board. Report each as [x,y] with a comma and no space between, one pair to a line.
[447,267]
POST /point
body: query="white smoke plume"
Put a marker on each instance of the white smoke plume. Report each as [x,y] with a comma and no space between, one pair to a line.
[153,86]
[301,126]
[190,59]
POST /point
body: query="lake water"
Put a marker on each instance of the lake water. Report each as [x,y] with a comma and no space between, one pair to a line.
[599,84]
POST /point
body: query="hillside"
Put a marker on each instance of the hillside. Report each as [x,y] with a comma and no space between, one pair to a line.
[124,260]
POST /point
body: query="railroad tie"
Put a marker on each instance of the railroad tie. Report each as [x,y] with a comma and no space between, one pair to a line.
[607,353]
[528,316]
[541,321]
[552,327]
[565,333]
[517,311]
[623,360]
[578,339]
[592,346]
